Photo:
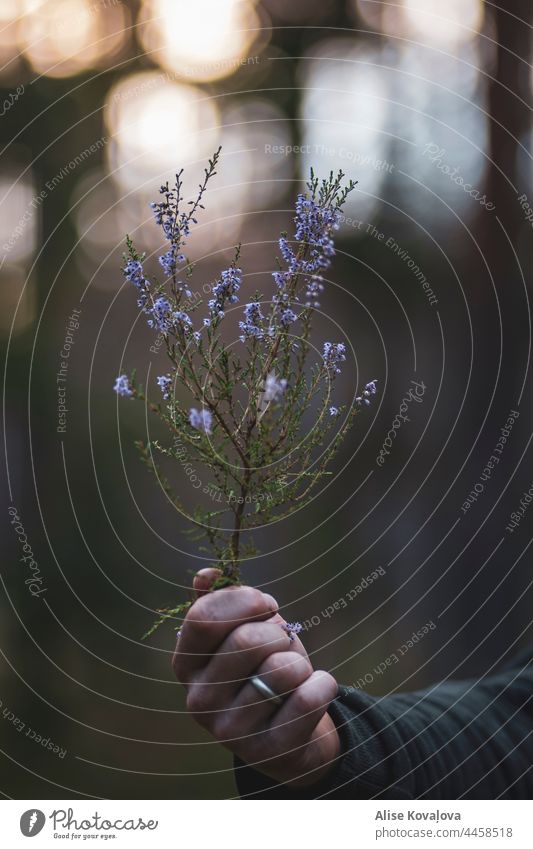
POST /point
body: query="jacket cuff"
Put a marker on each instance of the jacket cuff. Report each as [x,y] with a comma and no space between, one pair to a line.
[362,770]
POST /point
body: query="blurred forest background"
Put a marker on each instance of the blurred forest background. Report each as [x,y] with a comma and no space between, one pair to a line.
[103,101]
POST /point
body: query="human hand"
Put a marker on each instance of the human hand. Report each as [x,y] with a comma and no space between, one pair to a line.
[234,633]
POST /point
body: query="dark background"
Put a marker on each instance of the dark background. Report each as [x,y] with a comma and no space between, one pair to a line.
[373,88]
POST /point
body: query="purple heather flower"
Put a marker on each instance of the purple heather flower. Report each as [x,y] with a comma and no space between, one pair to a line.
[281,278]
[251,326]
[287,253]
[313,288]
[334,411]
[207,322]
[314,227]
[252,312]
[287,317]
[229,284]
[122,386]
[201,419]
[133,272]
[333,354]
[197,336]
[184,319]
[364,398]
[215,308]
[175,224]
[164,382]
[225,290]
[292,629]
[161,315]
[274,388]
[168,262]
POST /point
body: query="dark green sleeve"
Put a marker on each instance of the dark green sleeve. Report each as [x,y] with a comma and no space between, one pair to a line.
[461,739]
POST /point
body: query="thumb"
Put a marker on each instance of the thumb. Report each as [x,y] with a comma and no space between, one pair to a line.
[203,580]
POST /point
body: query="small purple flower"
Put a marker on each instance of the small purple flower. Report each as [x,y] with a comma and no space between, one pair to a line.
[122,386]
[251,326]
[333,354]
[288,317]
[161,315]
[314,227]
[201,419]
[334,411]
[175,225]
[229,284]
[164,382]
[287,253]
[225,290]
[292,629]
[314,288]
[281,278]
[133,272]
[364,398]
[274,388]
[183,319]
[168,262]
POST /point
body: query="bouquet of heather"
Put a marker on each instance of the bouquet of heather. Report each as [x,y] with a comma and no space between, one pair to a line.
[244,422]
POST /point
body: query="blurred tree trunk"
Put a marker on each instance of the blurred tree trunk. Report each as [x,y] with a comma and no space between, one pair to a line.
[496,290]
[509,112]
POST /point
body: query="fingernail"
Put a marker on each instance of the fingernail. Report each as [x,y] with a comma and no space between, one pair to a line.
[272,601]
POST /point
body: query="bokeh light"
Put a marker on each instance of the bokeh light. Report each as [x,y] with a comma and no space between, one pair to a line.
[344,113]
[156,124]
[99,223]
[201,40]
[371,111]
[20,211]
[65,37]
[250,181]
[444,23]
[250,127]
[9,50]
[429,21]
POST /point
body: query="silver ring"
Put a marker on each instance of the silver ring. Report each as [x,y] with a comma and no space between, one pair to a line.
[266,691]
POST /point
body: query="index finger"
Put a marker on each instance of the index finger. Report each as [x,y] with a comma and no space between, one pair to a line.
[209,621]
